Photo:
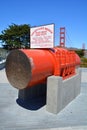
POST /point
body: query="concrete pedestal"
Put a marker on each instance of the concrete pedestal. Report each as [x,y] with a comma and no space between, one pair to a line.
[61,92]
[58,92]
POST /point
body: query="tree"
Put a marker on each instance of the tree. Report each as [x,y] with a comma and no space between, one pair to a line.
[16,36]
[80,52]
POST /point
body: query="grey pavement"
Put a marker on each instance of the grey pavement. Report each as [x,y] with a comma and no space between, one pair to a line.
[13,116]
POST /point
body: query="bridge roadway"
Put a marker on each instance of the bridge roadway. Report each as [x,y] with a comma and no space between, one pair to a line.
[14,117]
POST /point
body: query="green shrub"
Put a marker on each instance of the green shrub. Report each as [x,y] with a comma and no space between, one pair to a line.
[83,62]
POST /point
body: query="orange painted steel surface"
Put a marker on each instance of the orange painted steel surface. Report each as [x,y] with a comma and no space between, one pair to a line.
[26,68]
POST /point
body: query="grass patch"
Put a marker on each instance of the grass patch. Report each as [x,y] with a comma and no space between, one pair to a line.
[83,62]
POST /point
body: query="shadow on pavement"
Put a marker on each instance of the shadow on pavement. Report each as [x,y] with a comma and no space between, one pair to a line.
[32,104]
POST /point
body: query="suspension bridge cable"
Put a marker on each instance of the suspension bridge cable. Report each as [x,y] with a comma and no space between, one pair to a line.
[68,39]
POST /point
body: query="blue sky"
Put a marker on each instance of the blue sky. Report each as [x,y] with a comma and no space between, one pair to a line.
[71,14]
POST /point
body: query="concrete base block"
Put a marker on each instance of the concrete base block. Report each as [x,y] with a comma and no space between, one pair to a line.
[61,92]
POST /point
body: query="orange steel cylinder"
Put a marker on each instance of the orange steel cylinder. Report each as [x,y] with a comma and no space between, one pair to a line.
[26,68]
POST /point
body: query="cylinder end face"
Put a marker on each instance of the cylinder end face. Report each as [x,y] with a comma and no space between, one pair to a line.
[18,69]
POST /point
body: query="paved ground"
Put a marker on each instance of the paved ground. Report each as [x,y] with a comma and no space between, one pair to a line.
[15,117]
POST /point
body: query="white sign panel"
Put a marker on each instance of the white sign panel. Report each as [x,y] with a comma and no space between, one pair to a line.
[42,36]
